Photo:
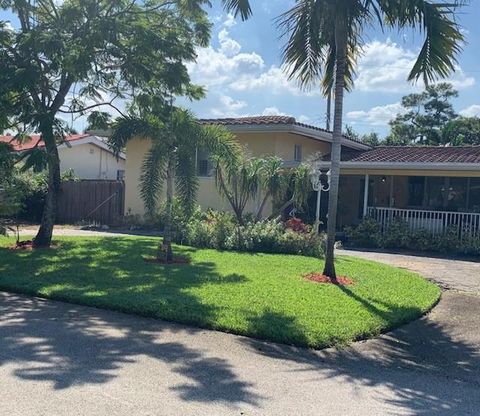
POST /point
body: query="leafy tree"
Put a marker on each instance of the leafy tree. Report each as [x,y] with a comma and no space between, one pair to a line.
[99,120]
[74,56]
[426,115]
[324,39]
[462,131]
[372,139]
[175,135]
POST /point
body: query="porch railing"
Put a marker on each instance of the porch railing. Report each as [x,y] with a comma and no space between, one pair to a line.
[467,224]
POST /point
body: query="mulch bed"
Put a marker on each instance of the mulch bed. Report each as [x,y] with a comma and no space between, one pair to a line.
[321,278]
[175,260]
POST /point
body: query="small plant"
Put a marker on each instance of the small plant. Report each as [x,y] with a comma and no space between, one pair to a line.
[297,225]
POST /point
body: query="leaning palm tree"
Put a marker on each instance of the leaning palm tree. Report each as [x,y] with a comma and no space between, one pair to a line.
[325,37]
[175,137]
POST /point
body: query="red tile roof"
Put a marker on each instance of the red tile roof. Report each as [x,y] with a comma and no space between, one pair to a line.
[257,120]
[412,154]
[35,141]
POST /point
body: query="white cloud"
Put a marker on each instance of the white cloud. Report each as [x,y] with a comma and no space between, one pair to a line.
[230,21]
[221,66]
[472,111]
[303,119]
[228,107]
[272,111]
[233,69]
[274,79]
[228,46]
[376,116]
[385,66]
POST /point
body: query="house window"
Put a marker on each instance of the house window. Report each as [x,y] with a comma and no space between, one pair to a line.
[120,175]
[297,153]
[204,164]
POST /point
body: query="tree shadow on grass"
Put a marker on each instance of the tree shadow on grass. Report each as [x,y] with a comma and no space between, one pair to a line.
[67,345]
[426,367]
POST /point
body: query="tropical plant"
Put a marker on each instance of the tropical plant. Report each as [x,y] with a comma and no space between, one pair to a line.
[261,180]
[238,183]
[74,56]
[324,40]
[175,136]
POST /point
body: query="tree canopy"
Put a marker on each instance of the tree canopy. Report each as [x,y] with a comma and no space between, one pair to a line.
[71,57]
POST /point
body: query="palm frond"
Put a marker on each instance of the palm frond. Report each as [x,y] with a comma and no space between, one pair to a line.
[221,144]
[131,127]
[305,51]
[153,175]
[443,36]
[238,7]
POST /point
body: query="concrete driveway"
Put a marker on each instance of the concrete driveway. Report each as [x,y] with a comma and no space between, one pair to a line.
[60,359]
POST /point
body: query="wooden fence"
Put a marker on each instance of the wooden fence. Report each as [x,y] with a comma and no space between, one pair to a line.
[98,201]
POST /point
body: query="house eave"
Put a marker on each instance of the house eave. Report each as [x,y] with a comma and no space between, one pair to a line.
[406,166]
[296,129]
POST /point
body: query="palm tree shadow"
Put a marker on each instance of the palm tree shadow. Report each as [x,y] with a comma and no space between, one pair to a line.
[425,366]
[69,346]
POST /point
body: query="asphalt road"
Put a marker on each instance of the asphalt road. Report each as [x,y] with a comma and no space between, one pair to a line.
[61,359]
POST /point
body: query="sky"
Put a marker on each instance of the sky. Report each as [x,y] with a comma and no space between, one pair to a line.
[242,72]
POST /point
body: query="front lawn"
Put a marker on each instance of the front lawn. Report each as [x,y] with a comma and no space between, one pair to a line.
[258,295]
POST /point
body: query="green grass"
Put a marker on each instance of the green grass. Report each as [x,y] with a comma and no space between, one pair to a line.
[258,295]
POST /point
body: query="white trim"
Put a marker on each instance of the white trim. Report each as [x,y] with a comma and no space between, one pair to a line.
[93,140]
[312,133]
[406,165]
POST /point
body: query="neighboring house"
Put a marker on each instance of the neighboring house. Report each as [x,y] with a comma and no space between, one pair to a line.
[429,187]
[87,155]
[263,136]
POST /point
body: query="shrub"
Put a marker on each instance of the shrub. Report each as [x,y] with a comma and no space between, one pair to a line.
[367,234]
[219,230]
[399,235]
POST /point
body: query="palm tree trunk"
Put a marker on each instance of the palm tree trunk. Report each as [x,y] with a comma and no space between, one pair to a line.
[44,235]
[166,248]
[341,46]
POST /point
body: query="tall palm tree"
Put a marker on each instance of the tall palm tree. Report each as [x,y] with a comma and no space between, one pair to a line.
[171,159]
[325,37]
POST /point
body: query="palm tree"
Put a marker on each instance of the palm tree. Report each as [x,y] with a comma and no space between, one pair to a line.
[171,159]
[325,37]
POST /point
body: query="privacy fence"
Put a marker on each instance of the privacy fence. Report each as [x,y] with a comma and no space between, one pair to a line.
[93,201]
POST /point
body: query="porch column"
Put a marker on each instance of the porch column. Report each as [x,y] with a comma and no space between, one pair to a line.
[365,195]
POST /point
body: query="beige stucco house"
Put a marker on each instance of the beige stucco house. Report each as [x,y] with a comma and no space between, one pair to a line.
[262,136]
[431,188]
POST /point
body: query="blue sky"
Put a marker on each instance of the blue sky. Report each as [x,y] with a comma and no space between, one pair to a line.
[241,70]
